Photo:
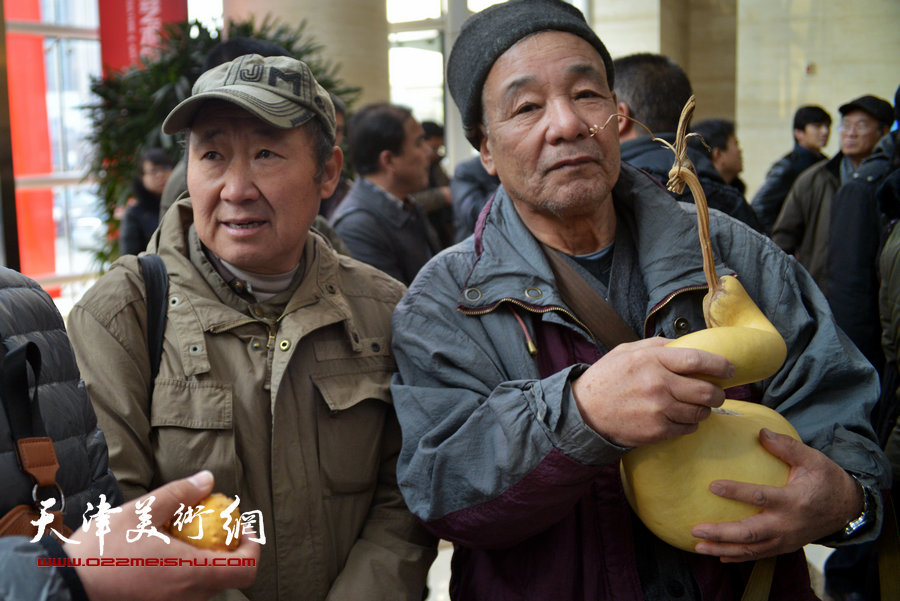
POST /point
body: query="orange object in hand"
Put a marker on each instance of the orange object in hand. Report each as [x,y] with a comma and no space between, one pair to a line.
[209,527]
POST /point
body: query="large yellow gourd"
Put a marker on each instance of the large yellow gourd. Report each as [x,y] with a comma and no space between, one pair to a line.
[667,483]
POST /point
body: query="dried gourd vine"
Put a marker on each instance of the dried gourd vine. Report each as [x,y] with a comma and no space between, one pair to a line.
[683,173]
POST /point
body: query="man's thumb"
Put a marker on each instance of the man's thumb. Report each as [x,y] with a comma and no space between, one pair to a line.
[782,446]
[187,491]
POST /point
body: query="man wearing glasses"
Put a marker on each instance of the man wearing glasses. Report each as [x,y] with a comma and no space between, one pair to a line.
[803,224]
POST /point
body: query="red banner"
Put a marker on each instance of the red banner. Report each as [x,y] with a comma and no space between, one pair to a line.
[130,29]
[30,135]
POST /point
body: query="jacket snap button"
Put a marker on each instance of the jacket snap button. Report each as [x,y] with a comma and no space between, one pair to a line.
[195,349]
[330,288]
[533,293]
[376,347]
[285,345]
[173,301]
[472,294]
[355,337]
[682,326]
[256,345]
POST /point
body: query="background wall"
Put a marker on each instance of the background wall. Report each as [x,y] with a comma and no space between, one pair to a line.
[824,52]
[353,32]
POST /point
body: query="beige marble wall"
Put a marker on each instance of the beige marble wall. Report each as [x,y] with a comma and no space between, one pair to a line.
[353,32]
[824,52]
[628,27]
[712,62]
[700,35]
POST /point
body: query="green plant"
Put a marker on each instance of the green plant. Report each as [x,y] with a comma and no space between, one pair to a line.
[132,104]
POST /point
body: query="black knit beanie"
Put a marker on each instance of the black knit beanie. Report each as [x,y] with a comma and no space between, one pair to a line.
[488,34]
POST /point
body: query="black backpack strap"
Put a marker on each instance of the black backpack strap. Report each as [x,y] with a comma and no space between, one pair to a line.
[156,282]
[34,450]
[22,412]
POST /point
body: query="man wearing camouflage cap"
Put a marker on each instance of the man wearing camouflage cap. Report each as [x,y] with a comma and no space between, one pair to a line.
[276,358]
[515,408]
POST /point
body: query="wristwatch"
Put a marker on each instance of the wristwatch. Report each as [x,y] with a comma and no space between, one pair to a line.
[865,520]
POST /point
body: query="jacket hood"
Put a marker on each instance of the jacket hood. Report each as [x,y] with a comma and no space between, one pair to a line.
[655,158]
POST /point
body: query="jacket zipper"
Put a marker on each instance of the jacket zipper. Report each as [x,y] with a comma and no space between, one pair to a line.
[272,328]
[659,306]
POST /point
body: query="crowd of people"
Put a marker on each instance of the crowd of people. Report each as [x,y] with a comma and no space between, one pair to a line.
[379,357]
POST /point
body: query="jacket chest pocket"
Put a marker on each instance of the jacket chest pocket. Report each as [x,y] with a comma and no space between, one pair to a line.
[682,315]
[192,429]
[351,429]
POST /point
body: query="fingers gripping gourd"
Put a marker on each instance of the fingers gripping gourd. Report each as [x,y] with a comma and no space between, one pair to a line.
[737,330]
[667,483]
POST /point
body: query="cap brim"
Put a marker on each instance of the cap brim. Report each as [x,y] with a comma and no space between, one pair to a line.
[266,106]
[846,108]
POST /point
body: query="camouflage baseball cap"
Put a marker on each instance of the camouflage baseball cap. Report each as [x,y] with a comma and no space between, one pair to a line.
[277,89]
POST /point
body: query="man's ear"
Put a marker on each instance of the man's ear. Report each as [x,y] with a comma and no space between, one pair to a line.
[487,158]
[715,154]
[625,125]
[332,173]
[385,160]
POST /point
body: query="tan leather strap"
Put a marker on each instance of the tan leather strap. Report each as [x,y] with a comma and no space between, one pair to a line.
[760,582]
[21,520]
[588,305]
[37,458]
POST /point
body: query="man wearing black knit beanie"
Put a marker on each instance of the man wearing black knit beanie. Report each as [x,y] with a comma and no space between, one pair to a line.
[516,402]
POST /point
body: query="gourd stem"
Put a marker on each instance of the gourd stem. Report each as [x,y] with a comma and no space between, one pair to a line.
[682,173]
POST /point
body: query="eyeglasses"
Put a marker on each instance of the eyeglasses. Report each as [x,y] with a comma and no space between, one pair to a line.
[860,127]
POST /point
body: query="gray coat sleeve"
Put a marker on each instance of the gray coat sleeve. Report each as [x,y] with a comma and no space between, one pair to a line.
[477,419]
[21,576]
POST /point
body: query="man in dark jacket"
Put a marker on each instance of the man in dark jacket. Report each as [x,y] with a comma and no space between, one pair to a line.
[652,89]
[717,139]
[812,127]
[862,211]
[378,220]
[804,223]
[142,214]
[470,188]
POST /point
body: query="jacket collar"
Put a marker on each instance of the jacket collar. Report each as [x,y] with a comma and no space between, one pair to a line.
[833,165]
[216,307]
[510,265]
[382,202]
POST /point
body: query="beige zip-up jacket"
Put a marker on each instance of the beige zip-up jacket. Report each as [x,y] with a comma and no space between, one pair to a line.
[290,409]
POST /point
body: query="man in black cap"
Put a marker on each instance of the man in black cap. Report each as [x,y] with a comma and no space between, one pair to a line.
[275,362]
[811,129]
[515,409]
[802,227]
